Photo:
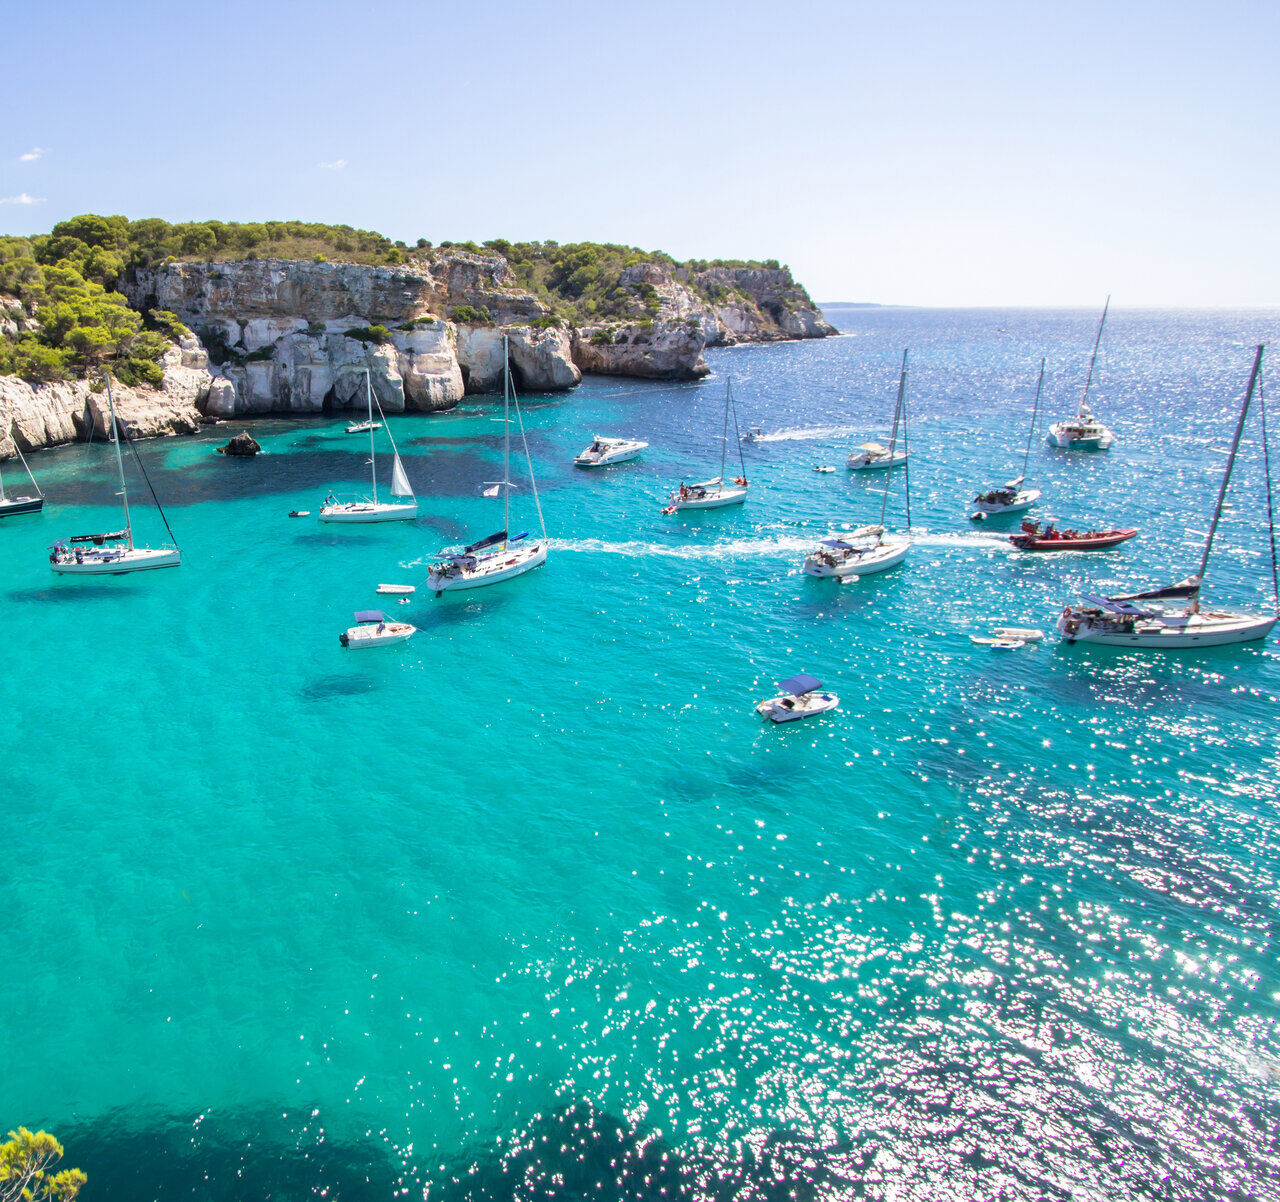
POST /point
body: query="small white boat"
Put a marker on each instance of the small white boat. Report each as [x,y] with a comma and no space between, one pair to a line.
[363,427]
[299,513]
[373,630]
[823,468]
[397,590]
[1027,634]
[370,509]
[604,451]
[716,493]
[872,456]
[799,698]
[114,554]
[709,494]
[751,434]
[997,644]
[859,553]
[1085,432]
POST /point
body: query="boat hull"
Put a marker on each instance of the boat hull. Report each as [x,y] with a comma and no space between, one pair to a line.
[809,706]
[356,638]
[15,505]
[138,559]
[1180,632]
[733,495]
[887,555]
[362,513]
[508,566]
[1061,436]
[1021,505]
[622,456]
[1027,542]
[874,463]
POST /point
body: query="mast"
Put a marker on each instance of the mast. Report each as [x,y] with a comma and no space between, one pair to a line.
[737,438]
[1035,413]
[893,441]
[115,434]
[373,467]
[1093,358]
[1231,461]
[724,438]
[506,436]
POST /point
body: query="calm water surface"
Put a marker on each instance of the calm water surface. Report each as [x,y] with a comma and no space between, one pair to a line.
[534,905]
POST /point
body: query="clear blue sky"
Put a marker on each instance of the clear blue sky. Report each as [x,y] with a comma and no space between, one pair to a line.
[921,153]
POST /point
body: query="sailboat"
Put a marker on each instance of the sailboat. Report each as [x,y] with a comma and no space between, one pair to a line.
[875,456]
[1171,617]
[362,509]
[870,548]
[115,554]
[499,556]
[715,493]
[1013,497]
[25,503]
[1084,432]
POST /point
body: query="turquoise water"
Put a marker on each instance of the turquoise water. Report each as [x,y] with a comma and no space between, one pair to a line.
[536,898]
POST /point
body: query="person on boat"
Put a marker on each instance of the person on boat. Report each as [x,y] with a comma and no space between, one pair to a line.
[742,480]
[684,491]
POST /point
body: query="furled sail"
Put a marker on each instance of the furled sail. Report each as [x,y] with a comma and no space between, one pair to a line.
[1183,590]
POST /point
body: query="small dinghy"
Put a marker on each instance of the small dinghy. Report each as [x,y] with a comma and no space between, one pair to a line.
[363,427]
[820,468]
[1028,634]
[397,590]
[799,698]
[751,434]
[1032,538]
[604,451]
[373,630]
[299,513]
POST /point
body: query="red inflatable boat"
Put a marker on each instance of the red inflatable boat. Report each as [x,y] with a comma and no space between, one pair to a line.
[1032,538]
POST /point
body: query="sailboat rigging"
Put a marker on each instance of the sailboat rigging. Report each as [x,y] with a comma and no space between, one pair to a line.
[497,556]
[1012,497]
[103,554]
[716,493]
[365,509]
[1172,617]
[1084,432]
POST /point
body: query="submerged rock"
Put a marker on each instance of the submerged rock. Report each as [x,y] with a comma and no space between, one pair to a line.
[242,446]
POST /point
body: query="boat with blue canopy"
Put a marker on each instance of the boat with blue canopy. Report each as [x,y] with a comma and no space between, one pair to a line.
[373,630]
[801,697]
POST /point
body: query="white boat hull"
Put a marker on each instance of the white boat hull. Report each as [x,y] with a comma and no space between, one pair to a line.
[860,461]
[1170,632]
[1061,435]
[807,706]
[730,494]
[367,511]
[9,506]
[111,563]
[887,555]
[622,453]
[1024,501]
[364,427]
[358,638]
[505,565]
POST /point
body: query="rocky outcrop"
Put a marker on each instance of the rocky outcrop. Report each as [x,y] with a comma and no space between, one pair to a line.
[242,446]
[658,350]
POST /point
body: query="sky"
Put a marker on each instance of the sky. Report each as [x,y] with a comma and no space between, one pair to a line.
[927,153]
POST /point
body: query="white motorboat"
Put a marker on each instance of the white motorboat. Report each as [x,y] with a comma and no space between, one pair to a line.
[1171,618]
[603,451]
[874,456]
[373,630]
[751,434]
[870,549]
[363,427]
[716,493]
[859,553]
[499,556]
[1013,497]
[12,503]
[1084,432]
[800,698]
[370,509]
[114,554]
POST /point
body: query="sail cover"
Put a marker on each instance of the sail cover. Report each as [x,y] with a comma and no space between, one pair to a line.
[114,536]
[1183,590]
[797,686]
[399,481]
[492,541]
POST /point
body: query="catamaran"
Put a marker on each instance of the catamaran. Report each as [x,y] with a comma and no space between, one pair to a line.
[1171,617]
[364,509]
[716,493]
[870,548]
[114,554]
[605,450]
[24,503]
[1084,432]
[499,556]
[1013,497]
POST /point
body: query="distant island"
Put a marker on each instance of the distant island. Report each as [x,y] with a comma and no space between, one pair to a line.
[202,320]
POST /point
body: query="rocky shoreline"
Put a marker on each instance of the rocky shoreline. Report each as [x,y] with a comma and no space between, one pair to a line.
[275,336]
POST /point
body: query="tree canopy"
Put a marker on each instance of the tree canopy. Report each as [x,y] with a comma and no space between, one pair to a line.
[27,1161]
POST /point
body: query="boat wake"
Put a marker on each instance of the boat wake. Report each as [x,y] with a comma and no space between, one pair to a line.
[808,434]
[725,550]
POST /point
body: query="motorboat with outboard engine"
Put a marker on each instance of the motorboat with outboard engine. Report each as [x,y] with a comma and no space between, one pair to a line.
[373,630]
[1032,538]
[800,698]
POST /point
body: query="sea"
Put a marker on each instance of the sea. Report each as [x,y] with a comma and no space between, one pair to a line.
[536,906]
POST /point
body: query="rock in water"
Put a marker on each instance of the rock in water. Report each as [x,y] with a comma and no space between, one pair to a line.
[243,445]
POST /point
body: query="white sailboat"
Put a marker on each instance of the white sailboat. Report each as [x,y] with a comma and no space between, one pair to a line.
[1013,497]
[114,554]
[366,509]
[499,556]
[1084,432]
[15,503]
[875,456]
[716,493]
[870,548]
[1172,618]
